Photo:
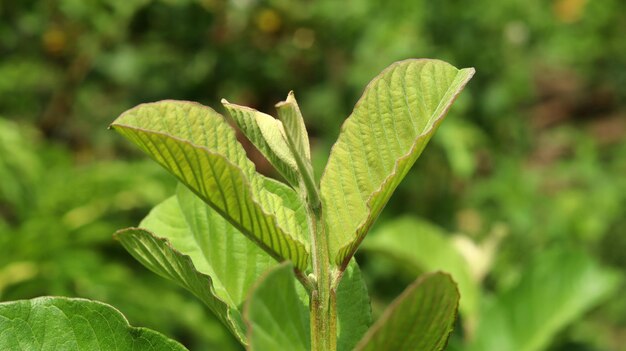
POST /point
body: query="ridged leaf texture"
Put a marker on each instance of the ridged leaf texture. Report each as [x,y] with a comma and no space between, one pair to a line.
[268,135]
[276,316]
[298,141]
[195,144]
[186,241]
[420,319]
[59,323]
[290,115]
[387,131]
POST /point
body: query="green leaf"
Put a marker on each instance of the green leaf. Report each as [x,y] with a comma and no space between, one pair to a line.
[557,288]
[421,318]
[59,323]
[195,247]
[354,312]
[298,141]
[277,318]
[380,141]
[195,143]
[268,135]
[295,130]
[423,247]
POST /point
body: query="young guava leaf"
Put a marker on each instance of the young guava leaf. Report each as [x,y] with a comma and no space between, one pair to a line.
[420,319]
[354,312]
[268,135]
[298,141]
[69,324]
[276,317]
[380,141]
[291,203]
[295,130]
[186,241]
[423,247]
[557,288]
[195,144]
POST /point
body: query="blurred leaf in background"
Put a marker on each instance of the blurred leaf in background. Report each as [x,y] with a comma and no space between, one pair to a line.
[534,150]
[55,235]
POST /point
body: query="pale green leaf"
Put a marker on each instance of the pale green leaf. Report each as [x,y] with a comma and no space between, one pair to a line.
[298,141]
[557,288]
[195,143]
[186,241]
[354,312]
[268,135]
[290,201]
[420,319]
[59,323]
[234,262]
[276,317]
[158,255]
[423,247]
[380,141]
[295,130]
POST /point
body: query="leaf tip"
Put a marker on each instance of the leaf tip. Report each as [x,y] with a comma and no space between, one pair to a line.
[470,71]
[118,233]
[289,101]
[282,104]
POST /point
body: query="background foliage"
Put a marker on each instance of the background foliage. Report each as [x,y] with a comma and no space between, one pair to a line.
[532,159]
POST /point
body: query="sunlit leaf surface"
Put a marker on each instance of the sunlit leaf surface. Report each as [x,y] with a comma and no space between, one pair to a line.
[186,241]
[380,141]
[194,143]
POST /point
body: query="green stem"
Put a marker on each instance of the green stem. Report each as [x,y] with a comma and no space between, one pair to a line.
[323,303]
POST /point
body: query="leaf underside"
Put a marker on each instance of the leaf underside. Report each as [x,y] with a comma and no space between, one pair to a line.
[186,241]
[268,135]
[380,141]
[59,323]
[420,319]
[291,117]
[195,144]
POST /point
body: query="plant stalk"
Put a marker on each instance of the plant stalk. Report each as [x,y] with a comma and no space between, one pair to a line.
[323,311]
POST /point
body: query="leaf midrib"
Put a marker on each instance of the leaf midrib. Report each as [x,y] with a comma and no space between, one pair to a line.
[246,181]
[436,121]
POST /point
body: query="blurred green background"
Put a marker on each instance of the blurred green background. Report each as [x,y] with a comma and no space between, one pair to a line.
[524,184]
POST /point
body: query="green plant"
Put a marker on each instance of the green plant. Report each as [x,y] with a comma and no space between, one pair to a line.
[529,314]
[223,234]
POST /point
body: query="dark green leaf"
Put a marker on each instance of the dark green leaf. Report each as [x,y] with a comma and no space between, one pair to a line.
[420,319]
[354,312]
[59,323]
